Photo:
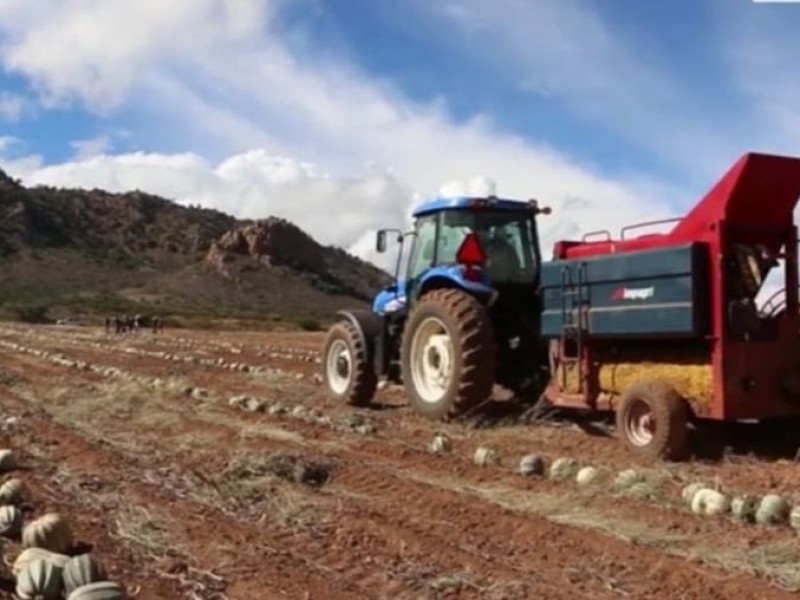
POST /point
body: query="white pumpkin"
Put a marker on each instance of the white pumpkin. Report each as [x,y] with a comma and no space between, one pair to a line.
[82,570]
[710,503]
[743,508]
[101,590]
[794,517]
[39,580]
[772,510]
[627,478]
[563,468]
[14,491]
[485,457]
[50,532]
[441,443]
[10,521]
[531,464]
[690,490]
[31,554]
[587,476]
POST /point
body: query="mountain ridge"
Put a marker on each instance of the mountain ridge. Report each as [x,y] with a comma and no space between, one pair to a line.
[93,252]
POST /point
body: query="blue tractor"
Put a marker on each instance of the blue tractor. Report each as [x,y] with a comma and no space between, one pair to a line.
[462,316]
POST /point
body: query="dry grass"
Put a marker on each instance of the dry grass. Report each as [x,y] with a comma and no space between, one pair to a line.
[777,562]
[258,486]
[608,575]
[139,526]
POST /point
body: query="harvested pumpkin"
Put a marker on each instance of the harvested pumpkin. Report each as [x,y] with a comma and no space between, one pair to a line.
[29,555]
[82,570]
[14,492]
[39,580]
[102,590]
[50,532]
[10,521]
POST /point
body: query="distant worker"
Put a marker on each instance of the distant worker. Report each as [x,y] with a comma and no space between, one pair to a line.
[108,325]
[118,324]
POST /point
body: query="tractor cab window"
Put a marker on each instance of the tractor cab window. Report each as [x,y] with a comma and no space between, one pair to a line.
[455,226]
[508,238]
[423,248]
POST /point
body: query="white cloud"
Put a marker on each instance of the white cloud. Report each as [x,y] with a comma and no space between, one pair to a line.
[95,50]
[91,147]
[479,185]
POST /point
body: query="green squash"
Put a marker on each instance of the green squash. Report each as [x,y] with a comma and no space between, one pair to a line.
[10,521]
[39,580]
[102,590]
[31,554]
[50,531]
[82,570]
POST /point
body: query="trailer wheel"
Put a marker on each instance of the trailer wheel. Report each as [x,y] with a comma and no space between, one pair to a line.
[448,354]
[346,369]
[652,420]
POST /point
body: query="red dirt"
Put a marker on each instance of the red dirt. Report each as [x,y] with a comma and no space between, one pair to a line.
[394,521]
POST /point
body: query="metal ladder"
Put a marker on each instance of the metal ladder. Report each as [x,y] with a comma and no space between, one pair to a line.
[573,319]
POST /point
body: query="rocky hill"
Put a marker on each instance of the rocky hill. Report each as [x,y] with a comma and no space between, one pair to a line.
[92,252]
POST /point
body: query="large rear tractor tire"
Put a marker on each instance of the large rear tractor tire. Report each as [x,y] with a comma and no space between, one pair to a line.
[448,354]
[346,370]
[652,421]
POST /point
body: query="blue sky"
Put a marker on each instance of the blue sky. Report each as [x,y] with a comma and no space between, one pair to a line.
[351,110]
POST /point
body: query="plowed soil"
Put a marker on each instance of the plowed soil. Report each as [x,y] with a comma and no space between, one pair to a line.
[183,494]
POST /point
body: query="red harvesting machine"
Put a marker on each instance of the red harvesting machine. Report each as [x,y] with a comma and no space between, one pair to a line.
[665,328]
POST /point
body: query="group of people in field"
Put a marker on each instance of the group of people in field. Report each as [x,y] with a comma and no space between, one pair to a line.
[133,324]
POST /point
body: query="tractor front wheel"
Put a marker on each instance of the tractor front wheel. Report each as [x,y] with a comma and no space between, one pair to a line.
[448,354]
[652,420]
[346,370]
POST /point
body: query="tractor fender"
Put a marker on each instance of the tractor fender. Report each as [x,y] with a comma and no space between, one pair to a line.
[450,278]
[367,324]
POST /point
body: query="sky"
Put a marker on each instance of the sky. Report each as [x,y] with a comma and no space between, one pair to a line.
[341,115]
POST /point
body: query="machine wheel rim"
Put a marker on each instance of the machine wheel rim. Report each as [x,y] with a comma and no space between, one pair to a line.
[339,366]
[431,360]
[639,424]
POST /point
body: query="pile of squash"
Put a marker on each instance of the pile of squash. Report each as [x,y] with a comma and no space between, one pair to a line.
[45,569]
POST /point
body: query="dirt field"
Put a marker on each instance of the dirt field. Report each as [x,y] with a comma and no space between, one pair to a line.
[184,490]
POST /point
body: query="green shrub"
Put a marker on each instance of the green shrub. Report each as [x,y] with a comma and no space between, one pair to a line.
[32,313]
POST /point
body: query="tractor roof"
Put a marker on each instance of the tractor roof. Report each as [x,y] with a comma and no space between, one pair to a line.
[439,204]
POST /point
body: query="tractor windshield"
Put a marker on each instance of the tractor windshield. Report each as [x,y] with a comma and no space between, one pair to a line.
[508,237]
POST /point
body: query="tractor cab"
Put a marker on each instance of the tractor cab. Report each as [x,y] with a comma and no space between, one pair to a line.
[487,246]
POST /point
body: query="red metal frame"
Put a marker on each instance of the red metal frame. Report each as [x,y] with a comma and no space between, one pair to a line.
[753,203]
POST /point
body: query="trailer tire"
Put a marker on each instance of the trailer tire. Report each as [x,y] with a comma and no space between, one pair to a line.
[448,330]
[346,369]
[652,420]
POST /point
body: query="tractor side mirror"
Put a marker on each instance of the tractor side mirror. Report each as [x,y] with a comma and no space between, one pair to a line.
[380,242]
